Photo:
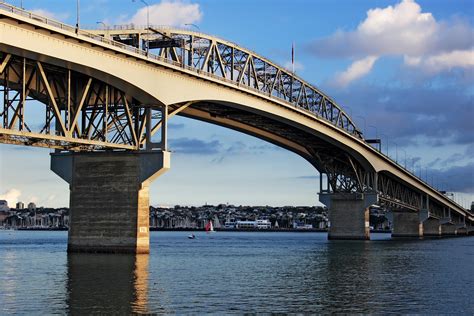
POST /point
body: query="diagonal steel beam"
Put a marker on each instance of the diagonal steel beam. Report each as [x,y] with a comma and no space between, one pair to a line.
[79,107]
[57,112]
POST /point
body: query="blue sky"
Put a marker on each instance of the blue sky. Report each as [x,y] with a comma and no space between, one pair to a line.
[404,67]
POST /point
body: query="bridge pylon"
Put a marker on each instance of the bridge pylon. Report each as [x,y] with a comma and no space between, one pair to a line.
[109,198]
[348,215]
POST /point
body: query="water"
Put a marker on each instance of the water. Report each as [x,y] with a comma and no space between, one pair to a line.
[230,272]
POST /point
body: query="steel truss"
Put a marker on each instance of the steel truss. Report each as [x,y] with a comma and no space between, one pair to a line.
[231,63]
[79,113]
[395,194]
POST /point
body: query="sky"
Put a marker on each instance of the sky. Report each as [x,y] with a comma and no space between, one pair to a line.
[403,69]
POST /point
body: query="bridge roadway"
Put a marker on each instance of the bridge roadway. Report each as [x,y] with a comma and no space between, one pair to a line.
[105,98]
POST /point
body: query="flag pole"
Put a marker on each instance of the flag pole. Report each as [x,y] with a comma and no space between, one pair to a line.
[293,57]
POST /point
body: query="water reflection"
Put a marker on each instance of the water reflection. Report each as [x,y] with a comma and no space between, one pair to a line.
[105,284]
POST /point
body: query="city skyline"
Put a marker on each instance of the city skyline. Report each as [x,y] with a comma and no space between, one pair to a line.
[416,95]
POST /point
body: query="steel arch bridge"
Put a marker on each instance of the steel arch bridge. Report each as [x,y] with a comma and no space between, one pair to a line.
[102,90]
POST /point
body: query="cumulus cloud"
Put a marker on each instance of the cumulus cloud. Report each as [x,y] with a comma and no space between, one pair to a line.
[173,13]
[11,196]
[358,69]
[403,30]
[443,61]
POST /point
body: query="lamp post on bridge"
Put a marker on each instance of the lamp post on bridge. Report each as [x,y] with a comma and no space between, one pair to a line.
[147,22]
[194,25]
[386,138]
[77,16]
[405,164]
[365,122]
[396,151]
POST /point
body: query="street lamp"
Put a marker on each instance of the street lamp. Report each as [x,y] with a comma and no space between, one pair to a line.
[396,151]
[386,138]
[77,16]
[405,157]
[147,21]
[194,25]
[365,122]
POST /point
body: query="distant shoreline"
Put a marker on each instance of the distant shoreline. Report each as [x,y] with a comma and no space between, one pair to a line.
[272,230]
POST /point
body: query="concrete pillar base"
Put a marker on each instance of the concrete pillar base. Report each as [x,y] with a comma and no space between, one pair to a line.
[448,229]
[109,201]
[431,227]
[407,224]
[461,231]
[348,217]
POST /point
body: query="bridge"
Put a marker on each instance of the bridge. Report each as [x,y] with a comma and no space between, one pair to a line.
[102,100]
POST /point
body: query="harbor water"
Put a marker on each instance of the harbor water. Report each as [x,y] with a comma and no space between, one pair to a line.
[238,272]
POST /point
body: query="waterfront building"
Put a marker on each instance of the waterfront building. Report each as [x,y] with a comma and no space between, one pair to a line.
[263,224]
[20,205]
[246,224]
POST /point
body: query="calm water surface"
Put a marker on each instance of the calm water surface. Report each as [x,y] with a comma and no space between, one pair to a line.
[229,272]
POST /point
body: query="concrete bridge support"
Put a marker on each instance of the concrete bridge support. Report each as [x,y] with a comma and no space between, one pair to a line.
[431,227]
[109,202]
[470,230]
[448,229]
[461,230]
[406,224]
[348,215]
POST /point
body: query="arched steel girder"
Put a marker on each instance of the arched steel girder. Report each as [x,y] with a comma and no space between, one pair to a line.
[222,59]
[344,171]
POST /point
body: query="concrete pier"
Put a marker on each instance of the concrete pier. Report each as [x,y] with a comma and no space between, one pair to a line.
[461,230]
[448,229]
[431,227]
[109,201]
[407,224]
[348,216]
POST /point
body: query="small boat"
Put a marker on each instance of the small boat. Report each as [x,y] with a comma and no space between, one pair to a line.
[191,236]
[209,227]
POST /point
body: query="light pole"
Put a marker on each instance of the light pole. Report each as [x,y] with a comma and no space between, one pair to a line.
[77,16]
[386,138]
[405,157]
[396,151]
[365,122]
[100,22]
[194,25]
[147,21]
[106,28]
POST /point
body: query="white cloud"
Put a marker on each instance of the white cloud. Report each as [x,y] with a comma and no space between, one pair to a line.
[403,30]
[173,13]
[11,196]
[51,15]
[356,70]
[443,61]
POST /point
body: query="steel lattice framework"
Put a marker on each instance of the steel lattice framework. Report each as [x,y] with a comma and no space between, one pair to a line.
[80,112]
[229,62]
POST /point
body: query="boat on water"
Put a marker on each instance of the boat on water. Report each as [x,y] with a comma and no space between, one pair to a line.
[209,227]
[192,236]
